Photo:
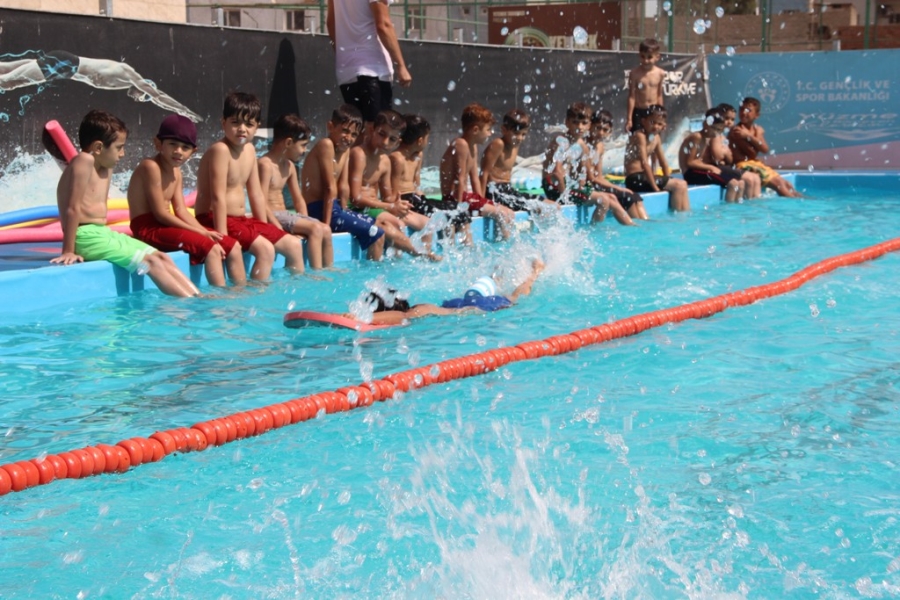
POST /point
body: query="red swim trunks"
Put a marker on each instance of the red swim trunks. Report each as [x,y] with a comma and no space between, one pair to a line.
[474,201]
[169,239]
[245,229]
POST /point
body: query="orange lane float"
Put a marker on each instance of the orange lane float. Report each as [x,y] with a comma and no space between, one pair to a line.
[118,458]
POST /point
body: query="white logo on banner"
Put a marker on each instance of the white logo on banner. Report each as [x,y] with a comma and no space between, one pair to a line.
[770,88]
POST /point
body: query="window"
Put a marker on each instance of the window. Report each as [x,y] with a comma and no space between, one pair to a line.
[232,18]
[295,20]
[416,18]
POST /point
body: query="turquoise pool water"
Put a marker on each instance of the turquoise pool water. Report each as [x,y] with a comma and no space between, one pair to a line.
[752,454]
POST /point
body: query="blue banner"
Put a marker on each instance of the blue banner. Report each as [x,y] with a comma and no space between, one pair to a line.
[825,110]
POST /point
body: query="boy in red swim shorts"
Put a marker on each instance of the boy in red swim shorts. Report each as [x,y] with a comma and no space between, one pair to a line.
[227,169]
[156,185]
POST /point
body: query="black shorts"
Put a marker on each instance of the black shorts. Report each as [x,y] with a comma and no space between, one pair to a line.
[369,94]
[427,207]
[626,199]
[696,177]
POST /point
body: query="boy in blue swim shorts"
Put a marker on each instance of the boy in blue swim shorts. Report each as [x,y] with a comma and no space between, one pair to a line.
[81,197]
[325,174]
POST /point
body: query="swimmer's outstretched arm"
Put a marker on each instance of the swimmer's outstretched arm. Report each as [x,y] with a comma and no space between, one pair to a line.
[525,287]
[398,317]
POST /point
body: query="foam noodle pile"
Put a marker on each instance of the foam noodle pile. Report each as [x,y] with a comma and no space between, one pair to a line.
[104,458]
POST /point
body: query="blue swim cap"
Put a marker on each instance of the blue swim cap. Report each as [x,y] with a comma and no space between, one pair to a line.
[483,286]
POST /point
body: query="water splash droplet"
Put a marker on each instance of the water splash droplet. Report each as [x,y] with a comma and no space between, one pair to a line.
[729,50]
[504,31]
[451,85]
[699,26]
[581,67]
[720,12]
[526,99]
[580,35]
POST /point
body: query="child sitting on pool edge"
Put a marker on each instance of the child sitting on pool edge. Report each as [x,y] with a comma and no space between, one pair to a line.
[228,170]
[81,196]
[159,216]
[277,172]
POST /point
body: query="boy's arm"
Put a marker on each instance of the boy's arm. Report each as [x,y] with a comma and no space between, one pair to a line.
[458,167]
[398,168]
[474,178]
[489,159]
[747,145]
[640,142]
[343,184]
[323,154]
[693,148]
[188,221]
[293,185]
[265,168]
[258,203]
[361,195]
[417,176]
[387,35]
[70,207]
[660,157]
[218,185]
[659,88]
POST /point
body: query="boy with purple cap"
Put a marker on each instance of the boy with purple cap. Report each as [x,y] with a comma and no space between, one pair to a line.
[156,185]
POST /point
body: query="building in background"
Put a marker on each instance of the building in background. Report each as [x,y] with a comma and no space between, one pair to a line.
[681,25]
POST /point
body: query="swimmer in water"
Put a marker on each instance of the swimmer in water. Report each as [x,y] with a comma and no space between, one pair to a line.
[482,296]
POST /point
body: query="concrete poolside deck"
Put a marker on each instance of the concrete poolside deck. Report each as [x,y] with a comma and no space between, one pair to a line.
[28,282]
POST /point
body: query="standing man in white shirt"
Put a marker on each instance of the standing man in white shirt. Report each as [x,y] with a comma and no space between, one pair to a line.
[366,50]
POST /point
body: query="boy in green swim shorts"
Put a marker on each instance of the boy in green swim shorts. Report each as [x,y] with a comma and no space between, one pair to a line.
[81,196]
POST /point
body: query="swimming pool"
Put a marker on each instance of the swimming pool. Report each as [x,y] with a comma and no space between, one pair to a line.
[750,454]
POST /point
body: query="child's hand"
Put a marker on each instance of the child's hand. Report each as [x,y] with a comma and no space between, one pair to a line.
[400,208]
[67,258]
[220,251]
[214,235]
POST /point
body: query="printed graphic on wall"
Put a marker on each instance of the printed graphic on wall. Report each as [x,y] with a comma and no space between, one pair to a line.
[39,68]
[819,110]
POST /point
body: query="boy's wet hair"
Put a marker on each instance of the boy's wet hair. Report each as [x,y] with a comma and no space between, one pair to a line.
[347,114]
[602,116]
[751,101]
[99,125]
[714,116]
[416,127]
[649,45]
[390,118]
[242,105]
[476,115]
[516,120]
[724,107]
[579,110]
[290,127]
[656,109]
[380,304]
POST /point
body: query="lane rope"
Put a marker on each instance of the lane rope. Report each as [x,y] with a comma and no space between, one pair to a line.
[122,456]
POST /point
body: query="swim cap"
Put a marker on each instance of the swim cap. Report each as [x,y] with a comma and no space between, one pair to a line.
[178,128]
[483,286]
